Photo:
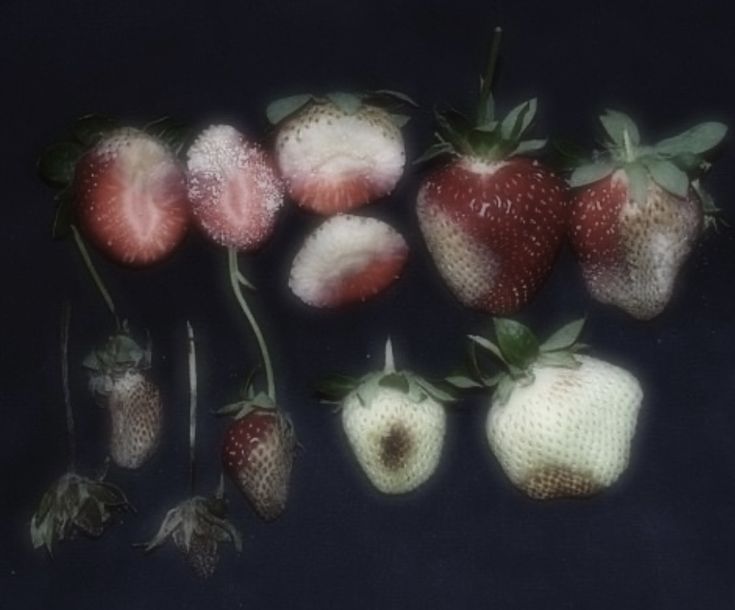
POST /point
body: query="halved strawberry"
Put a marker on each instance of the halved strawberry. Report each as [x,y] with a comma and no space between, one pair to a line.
[340,151]
[130,197]
[234,190]
[493,219]
[347,259]
[636,214]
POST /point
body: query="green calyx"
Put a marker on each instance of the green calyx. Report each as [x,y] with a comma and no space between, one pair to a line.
[520,352]
[336,388]
[487,137]
[673,163]
[394,103]
[58,161]
[250,400]
[120,353]
[75,504]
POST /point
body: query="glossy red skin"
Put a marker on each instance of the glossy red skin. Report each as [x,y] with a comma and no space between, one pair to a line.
[594,227]
[524,237]
[257,455]
[161,212]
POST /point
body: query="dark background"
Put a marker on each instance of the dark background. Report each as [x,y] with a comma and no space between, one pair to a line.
[661,538]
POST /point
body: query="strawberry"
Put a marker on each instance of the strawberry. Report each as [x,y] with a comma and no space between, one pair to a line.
[339,151]
[120,383]
[636,214]
[234,190]
[560,423]
[257,453]
[395,423]
[130,197]
[492,218]
[347,259]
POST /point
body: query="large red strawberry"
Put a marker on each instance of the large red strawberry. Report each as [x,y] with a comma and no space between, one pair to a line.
[257,453]
[636,213]
[493,219]
[339,151]
[130,197]
[234,190]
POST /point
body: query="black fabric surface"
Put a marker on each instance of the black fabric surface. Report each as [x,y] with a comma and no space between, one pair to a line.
[661,538]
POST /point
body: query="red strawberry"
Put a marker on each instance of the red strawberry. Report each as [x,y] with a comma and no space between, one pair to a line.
[338,152]
[636,216]
[131,198]
[347,259]
[233,187]
[492,219]
[257,454]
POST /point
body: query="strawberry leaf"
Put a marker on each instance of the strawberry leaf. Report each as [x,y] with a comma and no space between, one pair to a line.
[57,163]
[638,182]
[285,107]
[616,124]
[517,343]
[668,176]
[346,102]
[697,140]
[517,120]
[565,337]
[589,173]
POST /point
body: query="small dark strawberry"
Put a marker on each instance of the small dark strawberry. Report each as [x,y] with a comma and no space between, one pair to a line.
[339,151]
[636,213]
[119,381]
[493,219]
[257,453]
[130,197]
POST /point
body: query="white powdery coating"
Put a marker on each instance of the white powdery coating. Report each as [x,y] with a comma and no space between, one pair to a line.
[330,144]
[577,421]
[341,246]
[369,426]
[234,192]
[467,266]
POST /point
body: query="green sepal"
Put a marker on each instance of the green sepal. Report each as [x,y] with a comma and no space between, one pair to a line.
[590,173]
[58,161]
[517,343]
[395,381]
[637,182]
[241,408]
[712,214]
[565,337]
[64,215]
[517,121]
[562,359]
[119,352]
[504,388]
[668,176]
[175,134]
[90,128]
[283,108]
[391,95]
[616,124]
[463,382]
[334,388]
[696,140]
[349,103]
[435,150]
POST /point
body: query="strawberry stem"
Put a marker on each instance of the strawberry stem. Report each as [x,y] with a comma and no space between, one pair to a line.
[64,342]
[95,276]
[492,62]
[192,406]
[236,289]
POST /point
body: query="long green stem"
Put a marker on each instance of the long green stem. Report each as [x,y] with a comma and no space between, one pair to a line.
[93,273]
[487,81]
[192,406]
[236,284]
[64,343]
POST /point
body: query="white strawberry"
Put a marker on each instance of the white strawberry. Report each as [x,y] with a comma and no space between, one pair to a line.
[560,424]
[340,151]
[395,424]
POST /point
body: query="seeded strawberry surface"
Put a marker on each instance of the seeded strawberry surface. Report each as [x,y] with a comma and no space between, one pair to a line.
[631,253]
[131,200]
[257,453]
[568,432]
[233,187]
[334,161]
[135,409]
[493,229]
[347,259]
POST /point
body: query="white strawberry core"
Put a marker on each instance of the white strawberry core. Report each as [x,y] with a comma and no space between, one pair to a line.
[234,192]
[340,247]
[575,420]
[345,147]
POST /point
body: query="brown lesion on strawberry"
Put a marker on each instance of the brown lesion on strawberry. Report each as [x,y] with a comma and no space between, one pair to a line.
[553,482]
[395,446]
